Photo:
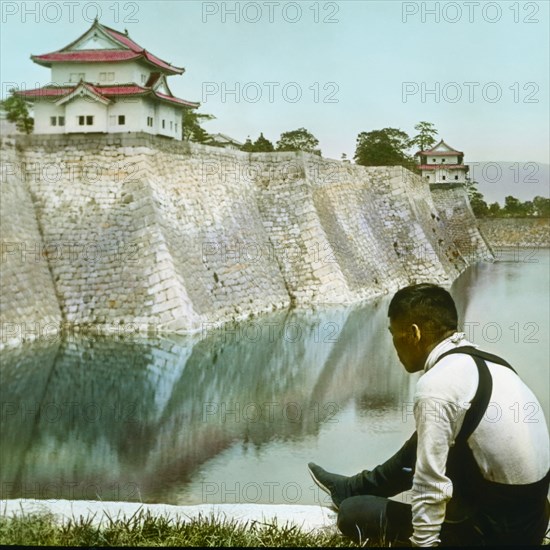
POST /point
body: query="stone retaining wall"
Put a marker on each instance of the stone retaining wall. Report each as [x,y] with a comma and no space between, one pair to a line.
[141,231]
[27,292]
[464,228]
[523,232]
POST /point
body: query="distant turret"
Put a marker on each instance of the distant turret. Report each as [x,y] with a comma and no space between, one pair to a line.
[442,164]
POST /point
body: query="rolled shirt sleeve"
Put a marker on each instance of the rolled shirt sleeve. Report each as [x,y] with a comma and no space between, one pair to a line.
[438,423]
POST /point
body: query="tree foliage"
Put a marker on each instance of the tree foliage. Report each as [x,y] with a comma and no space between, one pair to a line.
[477,202]
[261,145]
[539,207]
[425,137]
[192,129]
[299,140]
[386,147]
[542,207]
[248,146]
[17,111]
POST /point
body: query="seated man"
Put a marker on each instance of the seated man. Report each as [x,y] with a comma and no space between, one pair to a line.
[476,478]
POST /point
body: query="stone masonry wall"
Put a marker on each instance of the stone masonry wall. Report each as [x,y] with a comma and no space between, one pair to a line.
[464,228]
[522,232]
[27,292]
[168,236]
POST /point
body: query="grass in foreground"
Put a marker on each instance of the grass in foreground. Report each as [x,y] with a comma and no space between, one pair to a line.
[143,529]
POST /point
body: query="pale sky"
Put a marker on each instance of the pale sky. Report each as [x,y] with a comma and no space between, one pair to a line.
[478,70]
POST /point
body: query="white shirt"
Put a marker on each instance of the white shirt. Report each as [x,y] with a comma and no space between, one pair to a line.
[510,445]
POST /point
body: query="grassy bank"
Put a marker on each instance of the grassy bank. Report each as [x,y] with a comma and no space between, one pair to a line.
[144,529]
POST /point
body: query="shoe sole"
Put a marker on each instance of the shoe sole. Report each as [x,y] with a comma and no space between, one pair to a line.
[321,486]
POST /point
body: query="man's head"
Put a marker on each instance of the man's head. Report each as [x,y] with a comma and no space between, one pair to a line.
[420,317]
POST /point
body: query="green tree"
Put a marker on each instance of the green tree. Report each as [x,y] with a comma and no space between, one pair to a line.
[477,201]
[528,209]
[299,140]
[425,137]
[541,207]
[248,146]
[263,145]
[513,206]
[386,147]
[494,210]
[17,111]
[192,129]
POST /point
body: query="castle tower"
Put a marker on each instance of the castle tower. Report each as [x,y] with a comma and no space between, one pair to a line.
[442,164]
[105,82]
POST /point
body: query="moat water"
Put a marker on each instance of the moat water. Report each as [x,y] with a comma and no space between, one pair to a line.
[235,414]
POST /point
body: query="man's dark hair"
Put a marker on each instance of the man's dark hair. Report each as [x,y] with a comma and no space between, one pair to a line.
[429,306]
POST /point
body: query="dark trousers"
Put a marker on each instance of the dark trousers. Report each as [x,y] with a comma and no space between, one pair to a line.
[500,515]
[389,523]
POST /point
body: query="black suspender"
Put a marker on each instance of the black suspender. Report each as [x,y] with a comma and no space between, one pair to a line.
[485,386]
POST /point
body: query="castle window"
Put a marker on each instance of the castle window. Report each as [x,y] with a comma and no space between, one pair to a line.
[163,123]
[102,77]
[456,178]
[442,160]
[77,77]
[81,120]
[427,177]
[85,120]
[121,120]
[53,121]
[171,125]
[176,126]
[443,178]
[433,160]
[89,120]
[149,121]
[143,78]
[61,121]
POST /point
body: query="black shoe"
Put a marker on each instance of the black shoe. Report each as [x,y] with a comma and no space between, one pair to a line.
[335,485]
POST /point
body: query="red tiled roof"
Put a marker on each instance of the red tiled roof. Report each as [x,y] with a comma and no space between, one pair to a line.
[98,56]
[160,63]
[106,91]
[124,38]
[134,51]
[440,153]
[176,100]
[86,56]
[135,47]
[121,90]
[431,151]
[436,166]
[44,92]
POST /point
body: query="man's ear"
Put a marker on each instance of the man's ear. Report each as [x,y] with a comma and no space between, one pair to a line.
[416,333]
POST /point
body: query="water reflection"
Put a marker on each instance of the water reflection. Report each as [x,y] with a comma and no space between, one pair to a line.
[234,414]
[135,420]
[505,309]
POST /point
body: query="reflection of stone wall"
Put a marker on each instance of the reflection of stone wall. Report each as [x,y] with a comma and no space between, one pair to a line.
[525,232]
[148,414]
[148,231]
